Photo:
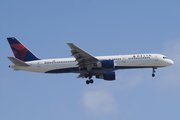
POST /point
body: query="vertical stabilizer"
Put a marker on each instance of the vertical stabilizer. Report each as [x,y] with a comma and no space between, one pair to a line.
[20,51]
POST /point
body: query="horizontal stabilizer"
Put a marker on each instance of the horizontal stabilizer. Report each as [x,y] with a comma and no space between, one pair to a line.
[17,61]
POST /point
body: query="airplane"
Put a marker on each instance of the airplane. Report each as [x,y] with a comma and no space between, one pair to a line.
[102,67]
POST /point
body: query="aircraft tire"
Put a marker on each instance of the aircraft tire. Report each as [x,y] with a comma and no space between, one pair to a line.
[87,82]
[153,75]
[91,81]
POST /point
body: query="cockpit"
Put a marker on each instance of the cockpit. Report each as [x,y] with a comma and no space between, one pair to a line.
[165,57]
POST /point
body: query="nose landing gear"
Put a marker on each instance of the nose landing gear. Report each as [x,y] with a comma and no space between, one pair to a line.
[153,75]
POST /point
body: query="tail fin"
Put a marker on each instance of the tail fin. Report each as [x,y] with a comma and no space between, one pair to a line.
[20,51]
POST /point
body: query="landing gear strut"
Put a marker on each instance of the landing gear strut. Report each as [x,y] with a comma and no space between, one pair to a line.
[153,75]
[90,80]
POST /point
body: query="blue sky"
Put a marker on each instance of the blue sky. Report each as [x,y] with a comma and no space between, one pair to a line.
[101,28]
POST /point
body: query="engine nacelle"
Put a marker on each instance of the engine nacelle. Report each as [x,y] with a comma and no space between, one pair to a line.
[107,76]
[104,64]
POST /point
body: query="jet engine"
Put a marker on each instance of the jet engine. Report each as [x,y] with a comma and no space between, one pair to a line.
[104,64]
[107,76]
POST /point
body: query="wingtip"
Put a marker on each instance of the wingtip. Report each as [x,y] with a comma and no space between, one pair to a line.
[69,43]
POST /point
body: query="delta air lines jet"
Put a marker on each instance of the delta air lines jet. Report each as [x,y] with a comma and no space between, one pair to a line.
[102,67]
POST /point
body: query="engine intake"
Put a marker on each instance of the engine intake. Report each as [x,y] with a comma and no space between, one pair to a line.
[107,76]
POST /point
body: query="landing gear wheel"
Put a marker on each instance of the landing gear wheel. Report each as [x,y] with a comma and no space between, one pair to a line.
[91,81]
[87,82]
[153,75]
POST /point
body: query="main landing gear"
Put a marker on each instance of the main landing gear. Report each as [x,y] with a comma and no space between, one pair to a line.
[90,80]
[153,75]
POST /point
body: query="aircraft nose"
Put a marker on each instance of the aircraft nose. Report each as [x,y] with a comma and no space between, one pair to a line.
[170,62]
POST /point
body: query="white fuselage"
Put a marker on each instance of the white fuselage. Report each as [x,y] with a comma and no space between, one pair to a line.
[69,65]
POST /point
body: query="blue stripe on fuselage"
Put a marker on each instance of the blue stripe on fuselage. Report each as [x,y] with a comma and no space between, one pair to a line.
[75,70]
[94,70]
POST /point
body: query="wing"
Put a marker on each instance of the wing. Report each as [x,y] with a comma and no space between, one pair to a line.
[85,60]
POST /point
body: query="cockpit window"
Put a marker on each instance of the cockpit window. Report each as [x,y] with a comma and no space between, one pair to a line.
[165,57]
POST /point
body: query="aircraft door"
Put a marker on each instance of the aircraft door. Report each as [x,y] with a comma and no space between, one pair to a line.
[123,60]
[156,58]
[38,65]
